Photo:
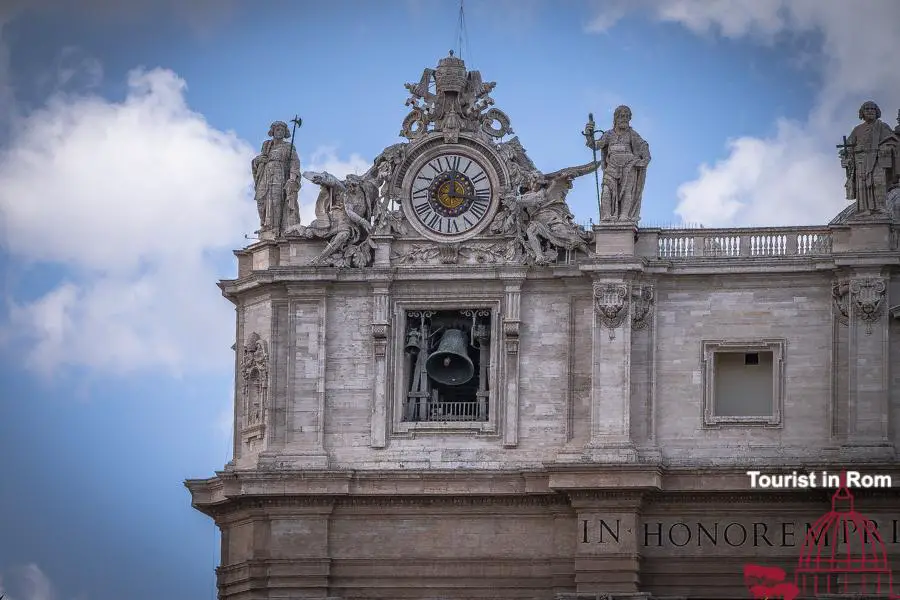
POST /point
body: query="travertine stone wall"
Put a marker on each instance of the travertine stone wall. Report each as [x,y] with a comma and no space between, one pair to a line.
[323,375]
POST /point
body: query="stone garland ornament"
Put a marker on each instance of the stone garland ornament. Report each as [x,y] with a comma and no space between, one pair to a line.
[840,297]
[449,254]
[641,306]
[610,304]
[868,300]
[255,376]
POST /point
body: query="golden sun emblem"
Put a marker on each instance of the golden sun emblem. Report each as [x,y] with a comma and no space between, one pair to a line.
[444,194]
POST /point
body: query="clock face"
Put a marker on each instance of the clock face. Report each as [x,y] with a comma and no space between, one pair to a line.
[451,194]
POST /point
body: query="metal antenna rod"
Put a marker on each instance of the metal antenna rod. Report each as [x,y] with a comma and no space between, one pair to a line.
[462,34]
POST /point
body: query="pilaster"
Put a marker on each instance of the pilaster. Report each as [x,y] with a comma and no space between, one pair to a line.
[301,379]
[615,303]
[381,329]
[607,558]
[510,356]
[867,432]
[610,439]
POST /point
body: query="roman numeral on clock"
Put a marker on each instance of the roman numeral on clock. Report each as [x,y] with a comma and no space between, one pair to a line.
[434,222]
[484,194]
[479,208]
[422,209]
[478,178]
[453,226]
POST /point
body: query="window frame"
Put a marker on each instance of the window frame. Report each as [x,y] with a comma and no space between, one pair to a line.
[709,349]
[401,428]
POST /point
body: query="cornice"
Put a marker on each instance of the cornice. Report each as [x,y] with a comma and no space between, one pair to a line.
[740,265]
[575,484]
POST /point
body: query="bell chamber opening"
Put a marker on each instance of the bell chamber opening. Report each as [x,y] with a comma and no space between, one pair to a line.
[447,354]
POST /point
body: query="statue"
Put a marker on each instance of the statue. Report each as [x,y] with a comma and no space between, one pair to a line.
[541,218]
[624,157]
[344,211]
[518,162]
[387,219]
[276,178]
[870,158]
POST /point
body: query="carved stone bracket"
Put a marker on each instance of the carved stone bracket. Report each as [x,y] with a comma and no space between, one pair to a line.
[511,336]
[840,298]
[611,305]
[868,297]
[642,300]
[380,325]
[511,321]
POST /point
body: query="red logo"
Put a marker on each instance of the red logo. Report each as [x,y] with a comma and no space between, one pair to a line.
[843,553]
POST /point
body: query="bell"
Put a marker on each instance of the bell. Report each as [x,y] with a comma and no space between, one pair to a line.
[450,363]
[413,341]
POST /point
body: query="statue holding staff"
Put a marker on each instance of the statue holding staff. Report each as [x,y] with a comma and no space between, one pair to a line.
[624,156]
[276,179]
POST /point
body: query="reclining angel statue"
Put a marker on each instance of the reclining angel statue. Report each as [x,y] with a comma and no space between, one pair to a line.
[540,218]
[344,211]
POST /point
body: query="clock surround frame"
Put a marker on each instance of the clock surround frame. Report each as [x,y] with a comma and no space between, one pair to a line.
[433,147]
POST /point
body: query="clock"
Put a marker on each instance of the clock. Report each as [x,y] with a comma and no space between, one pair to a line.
[451,195]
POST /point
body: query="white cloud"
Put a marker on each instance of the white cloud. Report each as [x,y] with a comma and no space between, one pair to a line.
[793,177]
[136,199]
[133,197]
[27,583]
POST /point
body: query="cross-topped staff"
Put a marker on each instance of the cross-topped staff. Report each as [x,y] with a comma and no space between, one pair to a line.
[846,153]
[298,122]
[845,146]
[590,135]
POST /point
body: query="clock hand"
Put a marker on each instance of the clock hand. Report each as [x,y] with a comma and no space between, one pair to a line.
[464,196]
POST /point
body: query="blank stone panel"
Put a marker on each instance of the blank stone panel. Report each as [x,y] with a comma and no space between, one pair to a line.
[743,384]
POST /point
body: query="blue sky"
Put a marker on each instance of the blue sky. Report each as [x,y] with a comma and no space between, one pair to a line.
[125,140]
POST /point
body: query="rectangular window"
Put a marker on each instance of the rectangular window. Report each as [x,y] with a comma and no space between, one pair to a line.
[446,367]
[743,382]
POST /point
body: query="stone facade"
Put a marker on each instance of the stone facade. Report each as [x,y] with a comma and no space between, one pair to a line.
[601,462]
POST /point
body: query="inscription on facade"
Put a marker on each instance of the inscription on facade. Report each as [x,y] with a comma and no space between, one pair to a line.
[700,536]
